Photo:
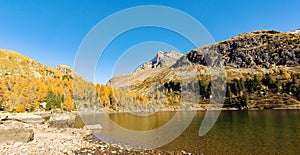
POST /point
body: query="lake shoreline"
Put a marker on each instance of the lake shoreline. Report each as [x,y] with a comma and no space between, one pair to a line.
[49,138]
[294,107]
[52,138]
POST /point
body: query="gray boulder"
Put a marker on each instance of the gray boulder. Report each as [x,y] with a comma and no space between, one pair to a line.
[28,118]
[63,120]
[16,135]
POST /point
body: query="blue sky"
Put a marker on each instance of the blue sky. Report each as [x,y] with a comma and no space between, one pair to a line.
[50,31]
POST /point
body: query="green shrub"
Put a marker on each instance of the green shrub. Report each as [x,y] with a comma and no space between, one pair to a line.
[53,101]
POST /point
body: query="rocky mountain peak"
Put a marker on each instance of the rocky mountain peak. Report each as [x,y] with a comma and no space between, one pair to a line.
[165,59]
[161,59]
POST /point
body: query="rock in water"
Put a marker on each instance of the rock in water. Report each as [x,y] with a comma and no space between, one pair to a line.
[16,135]
[93,127]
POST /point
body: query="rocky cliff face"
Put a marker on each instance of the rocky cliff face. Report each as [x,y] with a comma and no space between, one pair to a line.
[161,59]
[258,48]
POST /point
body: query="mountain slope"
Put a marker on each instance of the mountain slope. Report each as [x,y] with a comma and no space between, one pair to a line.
[15,64]
[261,67]
[262,49]
[159,63]
[258,48]
[258,65]
[28,85]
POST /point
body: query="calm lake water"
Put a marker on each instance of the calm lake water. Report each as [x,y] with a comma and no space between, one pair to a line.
[235,132]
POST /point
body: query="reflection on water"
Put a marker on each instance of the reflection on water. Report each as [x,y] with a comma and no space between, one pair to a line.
[235,132]
[141,123]
[131,121]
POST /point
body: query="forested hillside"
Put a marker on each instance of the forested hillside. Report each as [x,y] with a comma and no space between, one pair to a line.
[261,69]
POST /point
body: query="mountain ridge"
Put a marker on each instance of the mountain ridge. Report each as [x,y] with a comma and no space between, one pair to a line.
[264,48]
[256,64]
[27,85]
[16,64]
[257,49]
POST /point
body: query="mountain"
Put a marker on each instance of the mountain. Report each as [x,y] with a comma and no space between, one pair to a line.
[260,69]
[259,48]
[26,84]
[162,59]
[160,62]
[263,49]
[257,64]
[16,64]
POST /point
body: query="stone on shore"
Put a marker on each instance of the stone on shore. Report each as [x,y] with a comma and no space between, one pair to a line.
[65,120]
[93,127]
[23,117]
[16,135]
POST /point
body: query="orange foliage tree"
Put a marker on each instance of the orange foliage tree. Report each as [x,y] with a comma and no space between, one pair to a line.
[68,105]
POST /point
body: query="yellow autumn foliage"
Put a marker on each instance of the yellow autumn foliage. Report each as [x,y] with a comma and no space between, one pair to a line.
[68,105]
[20,108]
[287,75]
[25,88]
[30,92]
[108,96]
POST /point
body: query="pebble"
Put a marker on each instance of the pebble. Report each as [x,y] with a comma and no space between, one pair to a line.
[104,145]
[50,147]
[18,144]
[26,125]
[113,152]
